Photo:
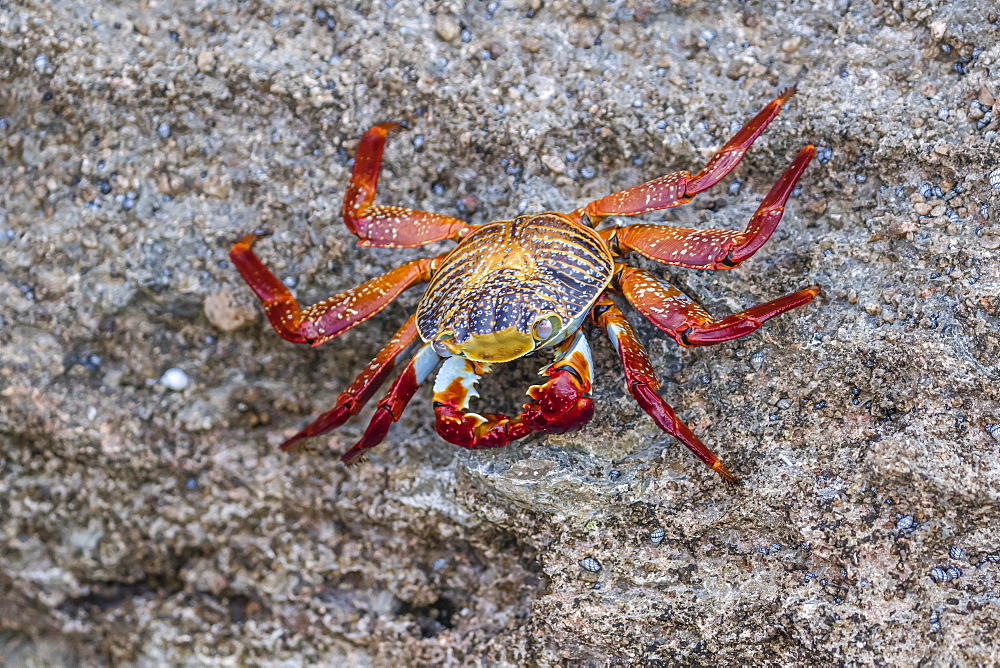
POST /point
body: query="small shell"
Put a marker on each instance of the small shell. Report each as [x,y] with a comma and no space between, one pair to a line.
[174,379]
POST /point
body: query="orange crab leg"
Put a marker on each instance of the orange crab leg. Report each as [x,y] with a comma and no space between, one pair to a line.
[678,188]
[642,383]
[711,249]
[388,226]
[333,316]
[686,321]
[354,398]
[390,408]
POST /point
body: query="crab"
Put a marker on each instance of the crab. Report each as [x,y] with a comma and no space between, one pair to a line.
[512,288]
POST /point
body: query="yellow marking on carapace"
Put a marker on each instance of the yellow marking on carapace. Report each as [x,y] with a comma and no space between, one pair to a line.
[502,346]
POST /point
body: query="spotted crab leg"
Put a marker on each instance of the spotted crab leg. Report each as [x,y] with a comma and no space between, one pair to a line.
[388,226]
[642,383]
[333,316]
[678,188]
[390,408]
[561,404]
[711,249]
[354,398]
[685,320]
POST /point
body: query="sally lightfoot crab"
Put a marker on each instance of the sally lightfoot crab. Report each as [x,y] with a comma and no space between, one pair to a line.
[511,288]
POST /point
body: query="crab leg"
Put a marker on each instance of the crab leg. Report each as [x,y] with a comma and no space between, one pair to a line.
[642,383]
[686,321]
[678,188]
[711,249]
[390,409]
[388,226]
[561,404]
[354,398]
[333,316]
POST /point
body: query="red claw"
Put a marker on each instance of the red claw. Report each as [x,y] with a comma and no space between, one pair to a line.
[466,431]
[561,405]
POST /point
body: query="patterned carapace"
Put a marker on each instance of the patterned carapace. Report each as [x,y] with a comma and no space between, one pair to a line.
[514,287]
[510,275]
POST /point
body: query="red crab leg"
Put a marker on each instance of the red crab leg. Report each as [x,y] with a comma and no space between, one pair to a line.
[388,226]
[678,188]
[390,409]
[642,383]
[333,316]
[711,249]
[354,398]
[561,404]
[686,321]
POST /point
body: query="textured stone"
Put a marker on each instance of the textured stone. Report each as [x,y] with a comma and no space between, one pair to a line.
[143,525]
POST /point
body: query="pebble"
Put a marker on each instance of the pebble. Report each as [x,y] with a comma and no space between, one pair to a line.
[554,163]
[792,44]
[985,97]
[447,28]
[175,379]
[938,28]
[226,313]
[205,61]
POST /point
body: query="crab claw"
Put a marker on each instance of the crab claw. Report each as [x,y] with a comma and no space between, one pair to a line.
[475,431]
[561,404]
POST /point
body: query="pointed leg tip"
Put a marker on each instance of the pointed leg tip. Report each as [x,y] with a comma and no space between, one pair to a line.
[293,445]
[386,128]
[246,241]
[726,474]
[787,93]
[353,459]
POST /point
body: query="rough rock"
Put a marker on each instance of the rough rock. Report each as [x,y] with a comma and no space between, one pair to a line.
[138,524]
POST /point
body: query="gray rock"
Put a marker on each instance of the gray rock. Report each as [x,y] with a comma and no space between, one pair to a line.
[146,526]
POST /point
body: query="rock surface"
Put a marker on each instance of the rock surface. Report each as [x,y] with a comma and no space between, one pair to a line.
[144,524]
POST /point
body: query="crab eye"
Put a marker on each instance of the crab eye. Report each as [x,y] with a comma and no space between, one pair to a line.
[441,349]
[543,328]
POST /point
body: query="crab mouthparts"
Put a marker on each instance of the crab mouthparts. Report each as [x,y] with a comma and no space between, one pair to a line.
[503,346]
